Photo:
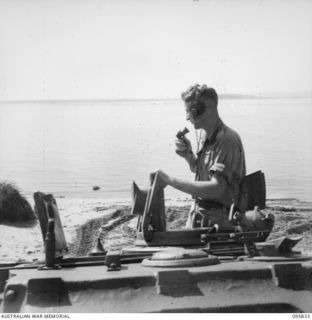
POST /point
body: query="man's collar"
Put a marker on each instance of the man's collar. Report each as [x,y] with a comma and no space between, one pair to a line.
[212,136]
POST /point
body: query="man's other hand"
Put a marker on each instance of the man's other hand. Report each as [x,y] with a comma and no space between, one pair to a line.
[163,178]
[183,147]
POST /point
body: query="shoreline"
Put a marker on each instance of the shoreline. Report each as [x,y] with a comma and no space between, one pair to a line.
[83,219]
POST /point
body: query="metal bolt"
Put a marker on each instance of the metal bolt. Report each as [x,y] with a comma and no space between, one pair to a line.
[10,295]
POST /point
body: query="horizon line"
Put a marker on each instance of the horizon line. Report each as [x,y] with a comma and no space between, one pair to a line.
[221,96]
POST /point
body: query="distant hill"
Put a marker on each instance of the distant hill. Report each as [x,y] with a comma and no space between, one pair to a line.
[291,95]
[237,96]
[274,95]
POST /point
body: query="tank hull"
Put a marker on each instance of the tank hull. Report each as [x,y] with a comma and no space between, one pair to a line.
[231,286]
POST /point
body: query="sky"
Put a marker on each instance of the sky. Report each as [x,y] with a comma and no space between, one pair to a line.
[128,49]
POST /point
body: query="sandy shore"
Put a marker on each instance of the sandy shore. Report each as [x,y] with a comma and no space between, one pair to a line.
[84,220]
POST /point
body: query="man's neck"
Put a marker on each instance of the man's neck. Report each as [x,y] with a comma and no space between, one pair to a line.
[210,125]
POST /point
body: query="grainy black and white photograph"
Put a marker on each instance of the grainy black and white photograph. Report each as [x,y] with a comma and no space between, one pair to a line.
[155,157]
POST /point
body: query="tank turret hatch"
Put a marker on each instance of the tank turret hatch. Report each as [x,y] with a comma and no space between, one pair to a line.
[151,227]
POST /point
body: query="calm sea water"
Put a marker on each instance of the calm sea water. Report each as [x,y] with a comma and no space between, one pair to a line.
[68,147]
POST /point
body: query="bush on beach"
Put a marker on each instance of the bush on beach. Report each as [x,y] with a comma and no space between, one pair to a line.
[13,206]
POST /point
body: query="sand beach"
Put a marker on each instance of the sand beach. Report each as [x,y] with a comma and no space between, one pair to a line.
[86,220]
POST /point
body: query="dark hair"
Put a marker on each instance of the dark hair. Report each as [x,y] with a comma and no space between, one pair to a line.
[198,92]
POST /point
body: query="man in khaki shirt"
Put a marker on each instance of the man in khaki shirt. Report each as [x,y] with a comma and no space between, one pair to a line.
[219,165]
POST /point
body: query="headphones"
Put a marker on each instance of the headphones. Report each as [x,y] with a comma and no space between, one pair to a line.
[197,108]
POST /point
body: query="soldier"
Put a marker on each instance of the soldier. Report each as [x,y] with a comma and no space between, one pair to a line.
[219,163]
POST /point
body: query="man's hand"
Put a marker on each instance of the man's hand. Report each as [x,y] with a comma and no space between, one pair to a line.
[163,178]
[183,147]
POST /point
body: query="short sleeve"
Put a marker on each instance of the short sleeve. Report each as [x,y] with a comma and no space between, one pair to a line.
[227,159]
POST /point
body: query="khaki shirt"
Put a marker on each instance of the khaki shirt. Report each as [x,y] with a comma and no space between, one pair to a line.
[222,155]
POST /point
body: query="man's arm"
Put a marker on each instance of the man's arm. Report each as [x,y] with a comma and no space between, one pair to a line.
[184,150]
[212,189]
[191,160]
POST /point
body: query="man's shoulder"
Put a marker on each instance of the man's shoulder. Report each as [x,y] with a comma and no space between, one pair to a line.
[228,135]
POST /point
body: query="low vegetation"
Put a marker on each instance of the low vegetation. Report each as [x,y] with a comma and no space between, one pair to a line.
[13,206]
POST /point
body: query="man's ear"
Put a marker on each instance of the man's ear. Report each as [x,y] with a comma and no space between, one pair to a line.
[198,109]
